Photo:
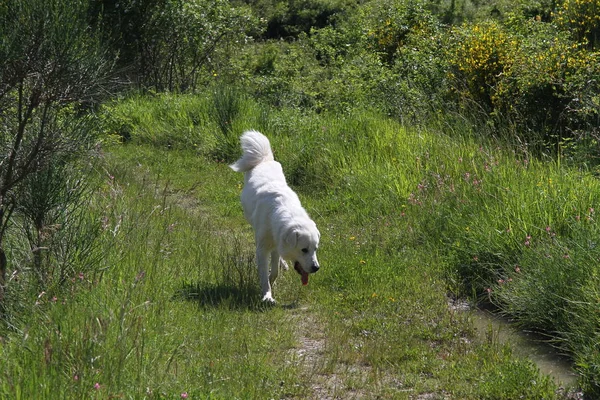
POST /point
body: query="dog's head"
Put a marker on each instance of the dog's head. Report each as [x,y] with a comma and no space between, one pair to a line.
[300,244]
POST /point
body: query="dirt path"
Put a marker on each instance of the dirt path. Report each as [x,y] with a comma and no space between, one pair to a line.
[326,380]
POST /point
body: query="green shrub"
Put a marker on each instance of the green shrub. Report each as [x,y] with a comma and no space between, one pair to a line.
[344,66]
[581,18]
[281,74]
[53,70]
[173,45]
[418,93]
[387,24]
[529,75]
[289,19]
[52,215]
[479,54]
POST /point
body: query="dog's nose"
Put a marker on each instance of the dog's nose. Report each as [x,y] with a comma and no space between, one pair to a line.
[314,268]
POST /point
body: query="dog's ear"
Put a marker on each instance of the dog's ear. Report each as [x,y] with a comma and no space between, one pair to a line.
[291,237]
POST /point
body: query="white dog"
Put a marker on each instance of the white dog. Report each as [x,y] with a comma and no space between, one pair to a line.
[282,228]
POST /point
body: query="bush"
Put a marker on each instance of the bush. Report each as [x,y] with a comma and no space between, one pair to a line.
[289,19]
[479,54]
[529,75]
[551,83]
[53,71]
[173,45]
[581,18]
[388,24]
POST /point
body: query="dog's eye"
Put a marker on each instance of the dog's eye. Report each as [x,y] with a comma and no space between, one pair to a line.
[305,250]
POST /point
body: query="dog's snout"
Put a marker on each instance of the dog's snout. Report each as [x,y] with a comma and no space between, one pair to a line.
[314,268]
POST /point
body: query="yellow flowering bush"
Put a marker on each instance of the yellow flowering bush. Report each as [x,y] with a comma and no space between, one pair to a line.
[551,82]
[478,56]
[528,72]
[581,18]
[532,87]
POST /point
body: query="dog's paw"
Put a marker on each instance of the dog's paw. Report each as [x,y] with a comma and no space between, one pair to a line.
[268,299]
[283,264]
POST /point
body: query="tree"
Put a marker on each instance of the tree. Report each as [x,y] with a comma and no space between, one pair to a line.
[171,44]
[51,69]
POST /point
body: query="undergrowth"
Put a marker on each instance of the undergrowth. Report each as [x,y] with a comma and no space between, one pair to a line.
[512,230]
[406,217]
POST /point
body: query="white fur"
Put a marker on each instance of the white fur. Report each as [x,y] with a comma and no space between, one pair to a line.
[282,228]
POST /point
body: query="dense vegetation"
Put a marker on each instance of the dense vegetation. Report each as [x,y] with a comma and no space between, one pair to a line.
[447,149]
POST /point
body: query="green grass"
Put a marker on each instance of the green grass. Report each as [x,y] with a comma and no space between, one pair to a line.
[174,308]
[406,217]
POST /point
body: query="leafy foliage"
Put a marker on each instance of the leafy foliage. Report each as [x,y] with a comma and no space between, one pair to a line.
[289,19]
[320,77]
[172,44]
[517,72]
[582,19]
[52,72]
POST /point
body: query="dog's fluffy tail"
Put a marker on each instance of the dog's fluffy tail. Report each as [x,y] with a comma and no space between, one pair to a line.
[256,149]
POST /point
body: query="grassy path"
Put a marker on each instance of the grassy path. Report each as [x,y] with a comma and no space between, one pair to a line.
[374,323]
[307,353]
[175,310]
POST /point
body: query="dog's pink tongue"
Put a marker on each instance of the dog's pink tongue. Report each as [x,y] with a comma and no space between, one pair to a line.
[304,278]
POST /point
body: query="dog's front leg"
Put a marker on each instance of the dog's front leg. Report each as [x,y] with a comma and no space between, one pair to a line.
[262,259]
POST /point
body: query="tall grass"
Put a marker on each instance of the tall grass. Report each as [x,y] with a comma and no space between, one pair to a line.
[512,229]
[168,313]
[522,236]
[405,215]
[165,120]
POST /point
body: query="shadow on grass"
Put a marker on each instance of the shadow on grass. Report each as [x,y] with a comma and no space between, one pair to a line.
[207,295]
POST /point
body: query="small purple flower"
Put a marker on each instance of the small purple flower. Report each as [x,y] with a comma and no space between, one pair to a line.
[184,395]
